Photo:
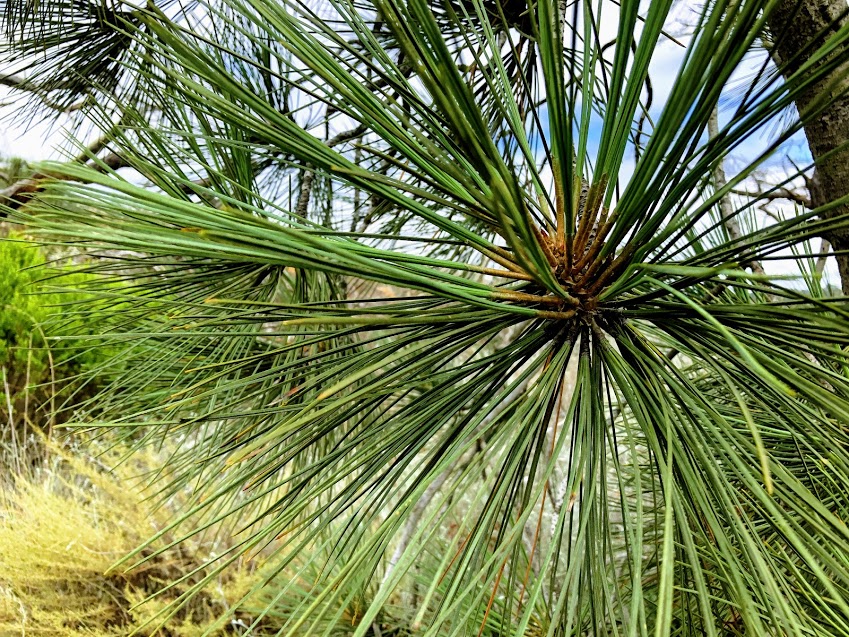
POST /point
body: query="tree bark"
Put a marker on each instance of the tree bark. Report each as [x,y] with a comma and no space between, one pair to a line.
[799,27]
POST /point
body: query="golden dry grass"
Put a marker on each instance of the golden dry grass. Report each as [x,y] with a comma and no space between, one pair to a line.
[62,528]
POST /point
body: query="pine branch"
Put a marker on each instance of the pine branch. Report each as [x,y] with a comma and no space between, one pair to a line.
[20,83]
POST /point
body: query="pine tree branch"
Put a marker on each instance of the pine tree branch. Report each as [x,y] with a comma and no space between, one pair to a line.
[20,83]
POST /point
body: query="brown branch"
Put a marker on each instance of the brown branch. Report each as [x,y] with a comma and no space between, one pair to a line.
[304,193]
[18,193]
[346,136]
[93,149]
[308,178]
[15,195]
[778,193]
[20,83]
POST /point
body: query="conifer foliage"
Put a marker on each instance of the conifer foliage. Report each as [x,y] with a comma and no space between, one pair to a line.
[435,303]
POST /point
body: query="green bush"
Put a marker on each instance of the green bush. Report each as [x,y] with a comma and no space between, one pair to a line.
[37,301]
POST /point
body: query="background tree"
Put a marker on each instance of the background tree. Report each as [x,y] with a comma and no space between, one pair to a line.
[385,262]
[799,29]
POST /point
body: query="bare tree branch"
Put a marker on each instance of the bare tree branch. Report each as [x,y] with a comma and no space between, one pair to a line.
[726,210]
[17,194]
[20,83]
[304,193]
[308,177]
[14,81]
[778,194]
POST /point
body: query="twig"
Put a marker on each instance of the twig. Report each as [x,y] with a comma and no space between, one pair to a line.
[778,193]
[20,83]
[346,136]
[305,191]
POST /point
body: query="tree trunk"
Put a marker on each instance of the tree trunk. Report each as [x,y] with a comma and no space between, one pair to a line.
[802,26]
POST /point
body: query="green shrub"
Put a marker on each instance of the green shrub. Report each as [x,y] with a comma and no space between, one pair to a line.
[37,300]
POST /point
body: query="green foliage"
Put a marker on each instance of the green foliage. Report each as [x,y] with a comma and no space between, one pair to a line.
[458,344]
[21,310]
[38,305]
[14,168]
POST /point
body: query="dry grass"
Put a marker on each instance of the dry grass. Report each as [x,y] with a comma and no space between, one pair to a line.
[60,531]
